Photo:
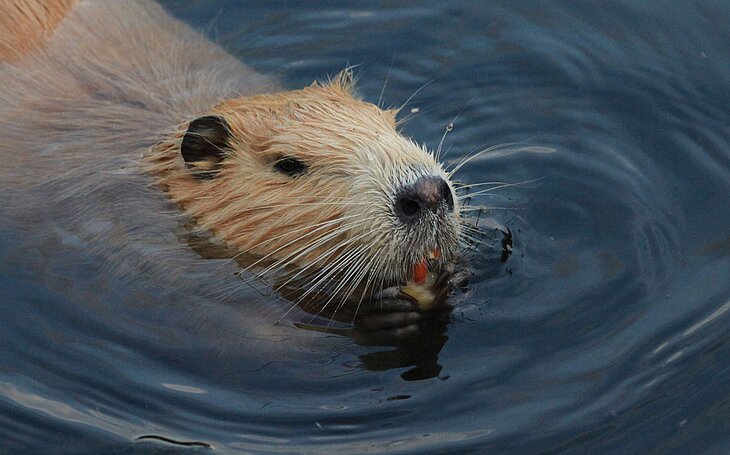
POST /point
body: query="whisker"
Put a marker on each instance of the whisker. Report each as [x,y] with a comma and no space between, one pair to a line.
[322,276]
[385,83]
[449,128]
[319,258]
[363,267]
[372,278]
[413,114]
[318,227]
[506,185]
[474,208]
[416,93]
[298,239]
[354,270]
[299,253]
[472,185]
[470,157]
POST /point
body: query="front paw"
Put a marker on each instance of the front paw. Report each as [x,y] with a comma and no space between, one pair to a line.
[453,276]
[388,317]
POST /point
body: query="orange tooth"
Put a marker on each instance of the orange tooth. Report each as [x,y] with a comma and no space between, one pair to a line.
[420,271]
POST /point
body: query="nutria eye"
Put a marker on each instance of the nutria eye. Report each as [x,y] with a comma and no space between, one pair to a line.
[290,166]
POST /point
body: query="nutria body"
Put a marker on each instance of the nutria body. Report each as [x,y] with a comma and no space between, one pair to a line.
[78,114]
[119,122]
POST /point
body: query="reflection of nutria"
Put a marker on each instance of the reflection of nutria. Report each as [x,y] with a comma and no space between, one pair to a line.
[103,100]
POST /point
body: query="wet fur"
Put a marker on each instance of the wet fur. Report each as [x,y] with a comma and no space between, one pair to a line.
[356,162]
[93,126]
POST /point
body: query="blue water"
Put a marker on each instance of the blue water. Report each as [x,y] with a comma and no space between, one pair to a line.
[605,331]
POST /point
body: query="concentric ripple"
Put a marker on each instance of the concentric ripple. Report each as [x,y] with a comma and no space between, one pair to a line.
[606,329]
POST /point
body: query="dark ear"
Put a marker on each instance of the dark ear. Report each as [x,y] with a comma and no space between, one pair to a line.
[205,145]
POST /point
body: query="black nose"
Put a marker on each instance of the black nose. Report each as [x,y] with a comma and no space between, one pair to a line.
[427,193]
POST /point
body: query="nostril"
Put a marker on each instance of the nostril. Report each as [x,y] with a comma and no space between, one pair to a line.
[446,195]
[429,193]
[409,207]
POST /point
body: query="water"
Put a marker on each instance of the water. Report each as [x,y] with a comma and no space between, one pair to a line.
[605,331]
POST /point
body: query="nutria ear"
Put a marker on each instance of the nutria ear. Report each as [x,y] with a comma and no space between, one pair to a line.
[205,145]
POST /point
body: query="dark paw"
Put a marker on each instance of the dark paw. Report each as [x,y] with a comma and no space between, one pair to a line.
[460,278]
[452,277]
[389,316]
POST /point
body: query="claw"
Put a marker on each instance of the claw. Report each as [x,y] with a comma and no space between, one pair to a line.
[391,314]
[388,311]
[442,279]
[460,278]
[387,293]
[442,295]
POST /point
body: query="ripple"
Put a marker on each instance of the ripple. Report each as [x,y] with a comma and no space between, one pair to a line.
[606,329]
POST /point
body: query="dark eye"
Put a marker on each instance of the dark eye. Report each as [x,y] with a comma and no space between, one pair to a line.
[290,166]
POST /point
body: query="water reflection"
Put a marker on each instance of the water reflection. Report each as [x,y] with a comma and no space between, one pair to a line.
[605,331]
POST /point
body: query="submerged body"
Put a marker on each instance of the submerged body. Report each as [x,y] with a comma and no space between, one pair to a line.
[116,100]
[78,114]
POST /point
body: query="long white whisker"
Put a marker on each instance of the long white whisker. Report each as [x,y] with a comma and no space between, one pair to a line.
[470,157]
[298,239]
[354,270]
[506,185]
[321,257]
[301,252]
[416,93]
[322,276]
[461,186]
[285,234]
[385,83]
[449,128]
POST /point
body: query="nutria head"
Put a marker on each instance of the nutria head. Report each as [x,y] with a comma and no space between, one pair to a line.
[315,179]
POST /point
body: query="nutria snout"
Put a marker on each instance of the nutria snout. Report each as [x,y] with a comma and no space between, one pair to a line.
[430,193]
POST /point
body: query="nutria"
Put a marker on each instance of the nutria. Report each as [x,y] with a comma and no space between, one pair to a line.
[108,105]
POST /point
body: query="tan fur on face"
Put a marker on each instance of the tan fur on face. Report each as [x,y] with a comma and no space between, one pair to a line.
[356,159]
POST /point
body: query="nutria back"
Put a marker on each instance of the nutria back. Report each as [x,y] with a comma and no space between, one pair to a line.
[77,114]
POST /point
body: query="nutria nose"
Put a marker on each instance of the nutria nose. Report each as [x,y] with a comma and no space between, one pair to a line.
[427,193]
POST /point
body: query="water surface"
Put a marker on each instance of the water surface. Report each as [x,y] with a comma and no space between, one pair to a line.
[605,331]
